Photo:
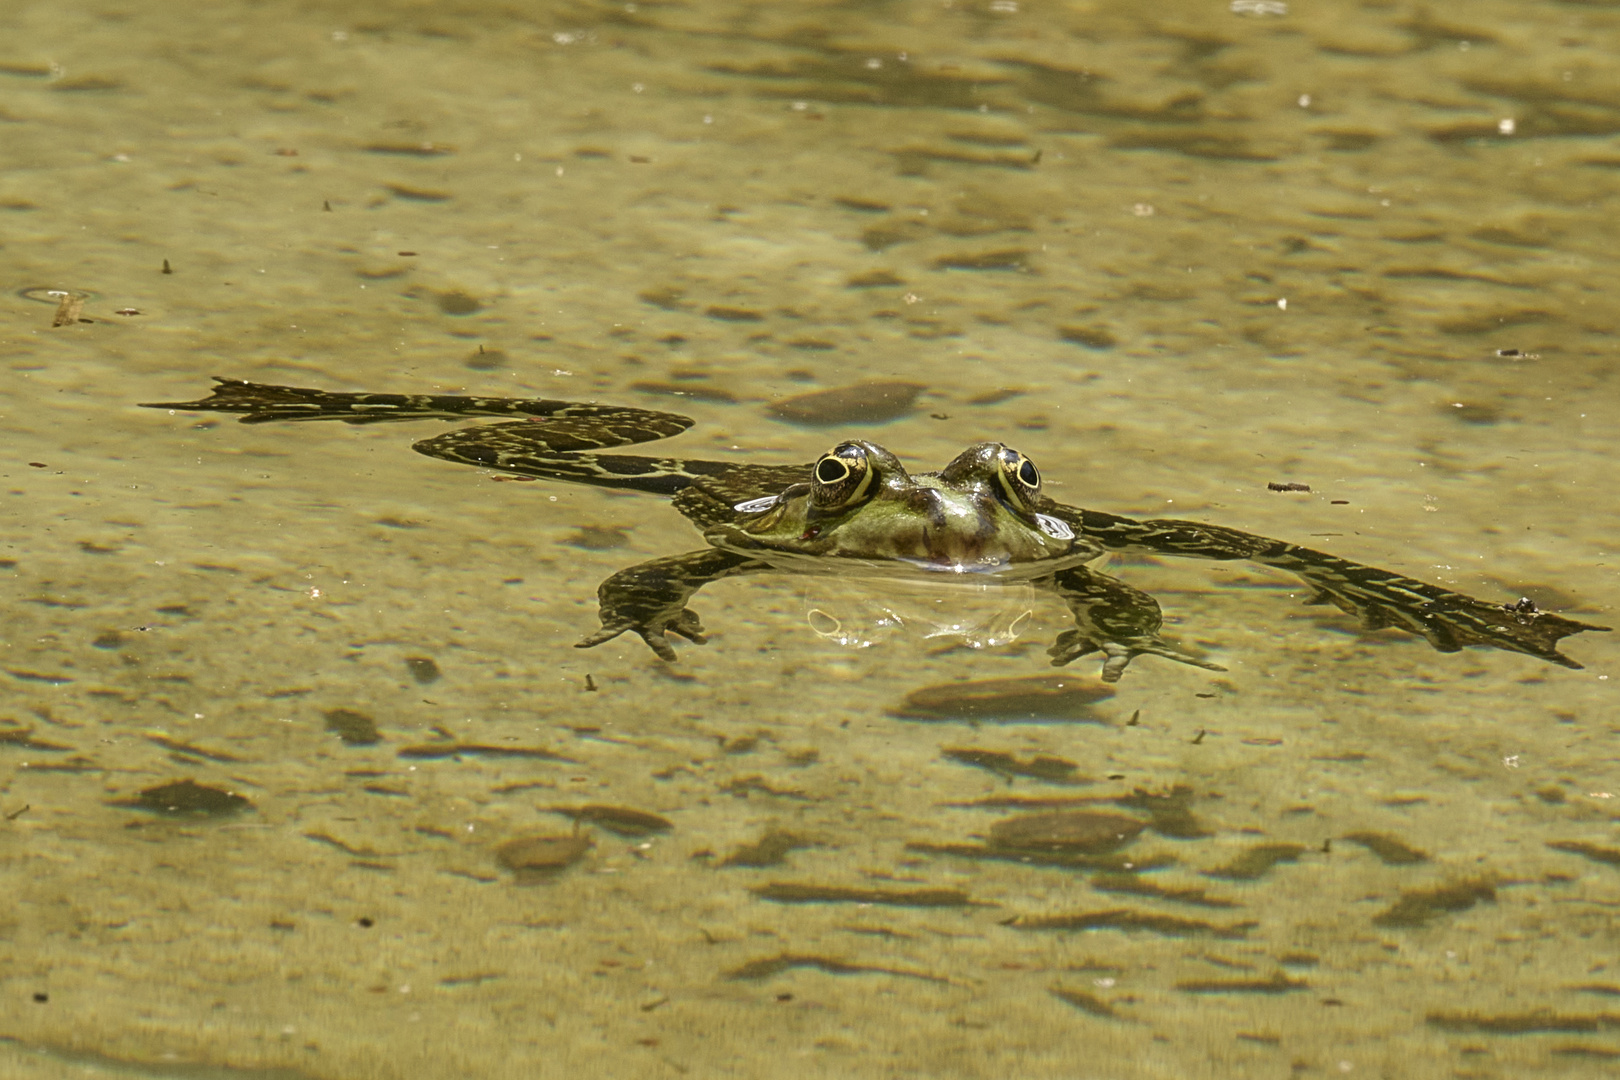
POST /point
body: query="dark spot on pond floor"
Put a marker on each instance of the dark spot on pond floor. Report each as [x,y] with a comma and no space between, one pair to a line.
[1277,984]
[434,751]
[423,669]
[1080,999]
[1608,856]
[486,359]
[1129,919]
[1520,1023]
[536,858]
[1257,861]
[1119,862]
[1021,699]
[598,537]
[771,849]
[860,403]
[1088,832]
[1417,906]
[726,313]
[1092,337]
[1170,814]
[23,739]
[1004,259]
[353,727]
[456,302]
[786,892]
[1390,851]
[767,966]
[188,798]
[620,820]
[1054,770]
[1140,886]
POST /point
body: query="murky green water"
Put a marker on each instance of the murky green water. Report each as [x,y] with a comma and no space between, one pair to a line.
[1172,252]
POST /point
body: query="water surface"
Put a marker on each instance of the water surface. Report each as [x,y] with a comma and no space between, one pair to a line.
[1173,253]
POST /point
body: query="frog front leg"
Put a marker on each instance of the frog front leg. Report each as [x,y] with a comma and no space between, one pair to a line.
[1112,618]
[650,598]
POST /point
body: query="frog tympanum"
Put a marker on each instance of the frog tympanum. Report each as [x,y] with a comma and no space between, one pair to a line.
[856,508]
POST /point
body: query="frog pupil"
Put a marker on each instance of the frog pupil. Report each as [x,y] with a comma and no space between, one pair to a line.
[1028,474]
[831,470]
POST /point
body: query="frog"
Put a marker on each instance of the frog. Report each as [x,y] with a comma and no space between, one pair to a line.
[856,510]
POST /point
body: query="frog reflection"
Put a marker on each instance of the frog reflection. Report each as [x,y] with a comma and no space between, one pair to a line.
[856,509]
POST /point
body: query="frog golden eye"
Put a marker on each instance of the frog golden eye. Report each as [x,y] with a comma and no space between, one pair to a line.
[1020,479]
[842,477]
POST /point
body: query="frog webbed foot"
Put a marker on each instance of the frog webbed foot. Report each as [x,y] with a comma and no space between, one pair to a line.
[1114,619]
[650,599]
[1073,644]
[1450,621]
[684,622]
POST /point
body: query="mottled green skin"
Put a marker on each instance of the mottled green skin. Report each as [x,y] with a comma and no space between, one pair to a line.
[983,513]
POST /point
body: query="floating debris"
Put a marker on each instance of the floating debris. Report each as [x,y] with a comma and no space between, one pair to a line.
[1033,697]
[535,858]
[188,798]
[619,820]
[1416,907]
[1288,485]
[771,849]
[68,310]
[355,728]
[1256,862]
[784,892]
[1390,851]
[1089,832]
[1054,770]
[860,403]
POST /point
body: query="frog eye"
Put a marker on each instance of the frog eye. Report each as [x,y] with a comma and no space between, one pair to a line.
[841,477]
[1020,479]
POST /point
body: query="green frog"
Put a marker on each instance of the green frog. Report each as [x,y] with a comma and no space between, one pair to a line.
[856,509]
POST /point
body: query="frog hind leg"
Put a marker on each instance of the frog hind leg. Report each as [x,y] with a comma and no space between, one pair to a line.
[1112,618]
[263,403]
[1447,620]
[649,599]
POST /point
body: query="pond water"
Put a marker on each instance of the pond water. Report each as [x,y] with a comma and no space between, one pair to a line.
[1175,253]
